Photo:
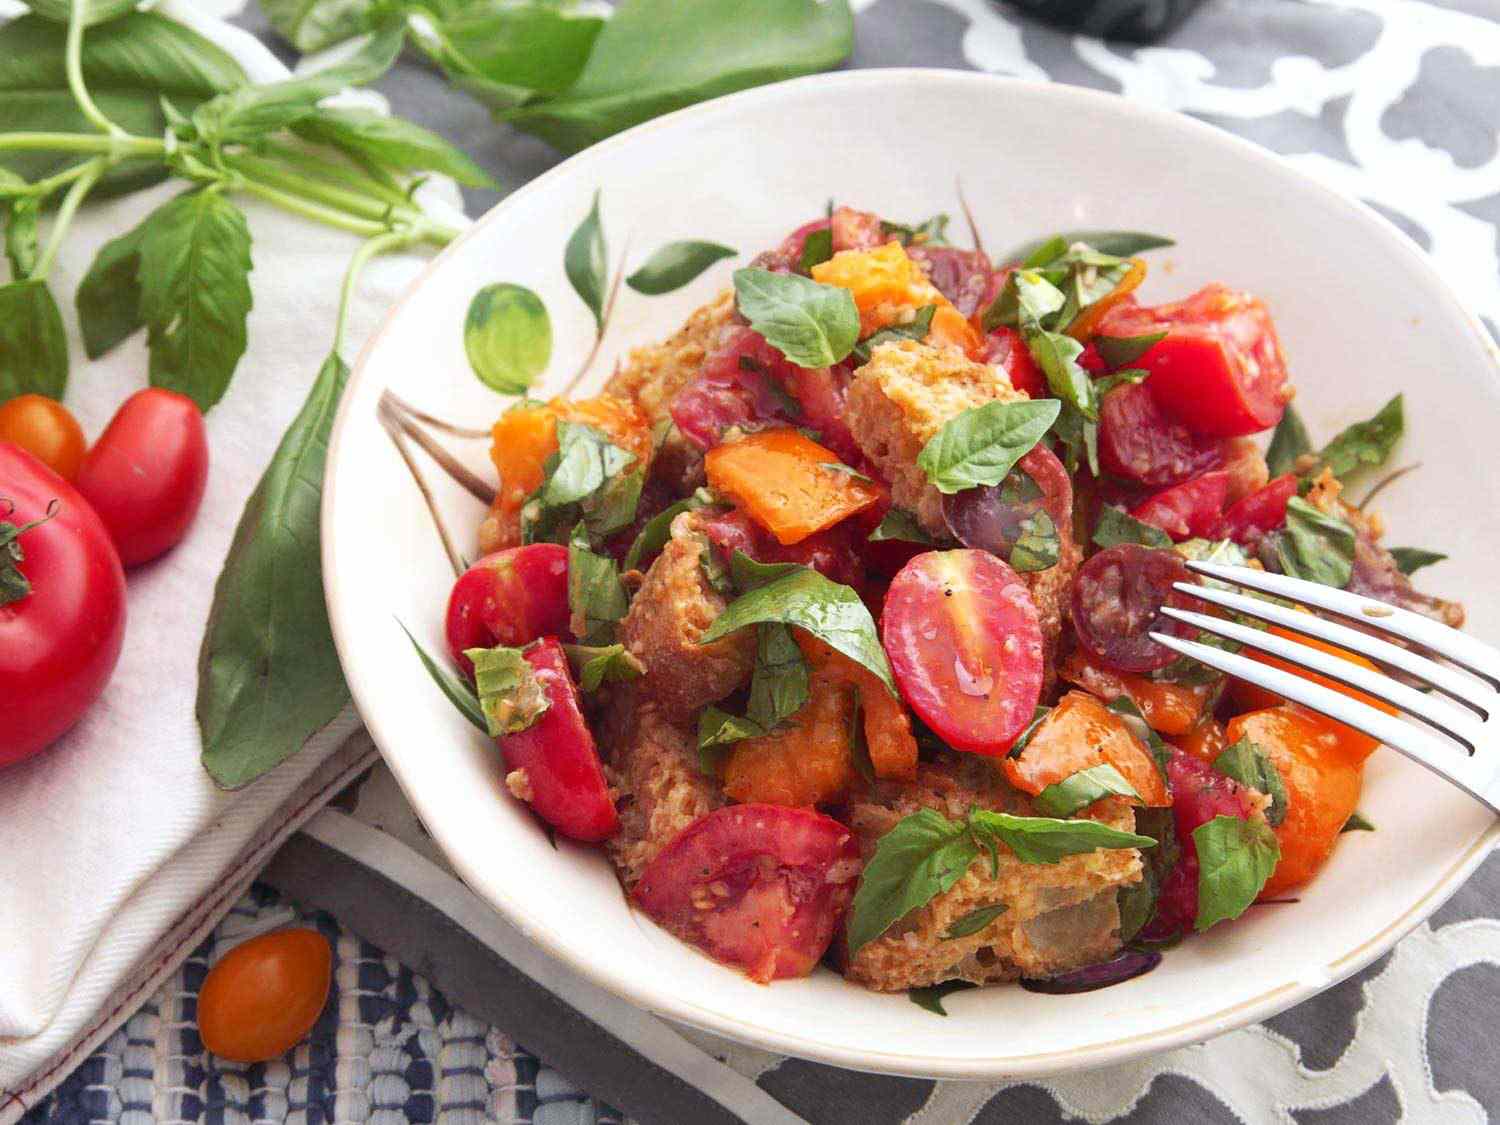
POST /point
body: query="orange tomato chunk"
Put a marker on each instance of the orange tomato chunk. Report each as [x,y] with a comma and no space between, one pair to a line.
[887,286]
[1086,322]
[1081,732]
[1167,708]
[1249,697]
[887,724]
[809,762]
[1322,785]
[1205,741]
[788,483]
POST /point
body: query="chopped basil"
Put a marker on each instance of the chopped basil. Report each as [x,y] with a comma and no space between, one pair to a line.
[1040,839]
[1315,546]
[510,695]
[1357,822]
[746,573]
[1120,351]
[934,232]
[1289,443]
[1365,443]
[1125,707]
[1235,858]
[931,997]
[1116,527]
[1409,560]
[1027,731]
[1026,300]
[858,743]
[586,479]
[1065,797]
[1121,243]
[812,325]
[916,329]
[458,690]
[817,248]
[802,597]
[982,445]
[715,573]
[974,921]
[596,598]
[1126,377]
[778,690]
[657,530]
[1039,545]
[1248,764]
[594,665]
[1137,902]
[717,730]
[899,524]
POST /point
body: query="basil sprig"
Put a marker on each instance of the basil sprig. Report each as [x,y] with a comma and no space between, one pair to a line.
[1235,858]
[813,325]
[510,694]
[925,854]
[1251,766]
[980,446]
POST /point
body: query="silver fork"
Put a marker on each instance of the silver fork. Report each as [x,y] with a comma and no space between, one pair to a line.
[1460,708]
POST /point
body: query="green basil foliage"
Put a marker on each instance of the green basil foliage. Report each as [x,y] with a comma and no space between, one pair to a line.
[1137,901]
[596,598]
[812,325]
[585,480]
[1235,858]
[676,264]
[1366,443]
[1065,797]
[596,665]
[899,524]
[974,921]
[931,232]
[817,248]
[916,329]
[931,997]
[1288,443]
[1248,764]
[1409,560]
[33,343]
[657,530]
[980,446]
[1315,546]
[1120,243]
[802,597]
[925,854]
[778,690]
[510,694]
[1121,351]
[458,690]
[1357,822]
[1116,526]
[1124,706]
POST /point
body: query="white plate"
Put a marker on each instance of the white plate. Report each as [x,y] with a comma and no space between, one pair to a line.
[1362,315]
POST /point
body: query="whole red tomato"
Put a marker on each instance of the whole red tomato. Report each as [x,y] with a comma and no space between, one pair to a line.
[146,474]
[62,605]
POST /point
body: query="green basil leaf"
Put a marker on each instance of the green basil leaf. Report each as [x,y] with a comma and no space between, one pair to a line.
[917,329]
[268,673]
[510,694]
[1248,764]
[109,296]
[980,446]
[931,997]
[1137,902]
[974,921]
[596,599]
[390,142]
[899,524]
[94,11]
[713,47]
[812,325]
[859,745]
[1235,858]
[1065,797]
[917,860]
[1019,745]
[933,232]
[21,217]
[586,480]
[657,530]
[715,573]
[1409,560]
[1357,822]
[507,337]
[457,689]
[586,262]
[779,684]
[1315,546]
[676,264]
[1288,443]
[596,665]
[195,293]
[1057,356]
[1365,443]
[587,459]
[1040,839]
[817,248]
[1121,351]
[1119,243]
[507,52]
[747,574]
[1125,707]
[33,342]
[1038,547]
[1125,377]
[311,25]
[829,611]
[1116,527]
[1027,300]
[717,731]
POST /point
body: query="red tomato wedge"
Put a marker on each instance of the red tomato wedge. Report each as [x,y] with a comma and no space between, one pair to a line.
[1004,348]
[511,597]
[1188,510]
[1262,511]
[757,887]
[1220,369]
[563,774]
[1140,442]
[962,636]
[1117,602]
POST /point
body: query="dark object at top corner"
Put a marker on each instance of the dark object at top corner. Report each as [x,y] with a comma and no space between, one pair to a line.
[1136,21]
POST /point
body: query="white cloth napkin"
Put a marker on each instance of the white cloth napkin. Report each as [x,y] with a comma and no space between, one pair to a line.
[116,849]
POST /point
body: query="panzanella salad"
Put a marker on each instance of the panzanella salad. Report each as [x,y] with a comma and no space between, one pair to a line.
[829,620]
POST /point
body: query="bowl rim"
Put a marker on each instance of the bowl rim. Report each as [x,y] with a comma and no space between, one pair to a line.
[664,1002]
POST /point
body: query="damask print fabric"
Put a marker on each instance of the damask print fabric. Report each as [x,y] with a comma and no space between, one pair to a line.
[1396,102]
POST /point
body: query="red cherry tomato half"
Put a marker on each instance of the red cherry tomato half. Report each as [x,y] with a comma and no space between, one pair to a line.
[1262,511]
[265,995]
[563,775]
[58,643]
[1189,510]
[758,887]
[43,427]
[961,632]
[146,474]
[1140,442]
[1117,602]
[1004,348]
[512,597]
[1220,369]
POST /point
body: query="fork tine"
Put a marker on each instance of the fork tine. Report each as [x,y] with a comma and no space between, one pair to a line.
[1469,773]
[1460,648]
[1445,679]
[1440,713]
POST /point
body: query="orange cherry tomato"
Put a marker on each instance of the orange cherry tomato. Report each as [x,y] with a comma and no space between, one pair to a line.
[1322,786]
[43,427]
[1080,732]
[264,996]
[1248,697]
[1205,741]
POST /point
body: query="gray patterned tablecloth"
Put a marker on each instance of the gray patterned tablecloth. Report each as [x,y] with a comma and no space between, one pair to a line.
[1394,101]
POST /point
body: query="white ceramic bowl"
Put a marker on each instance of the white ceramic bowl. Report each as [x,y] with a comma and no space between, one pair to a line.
[1362,315]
